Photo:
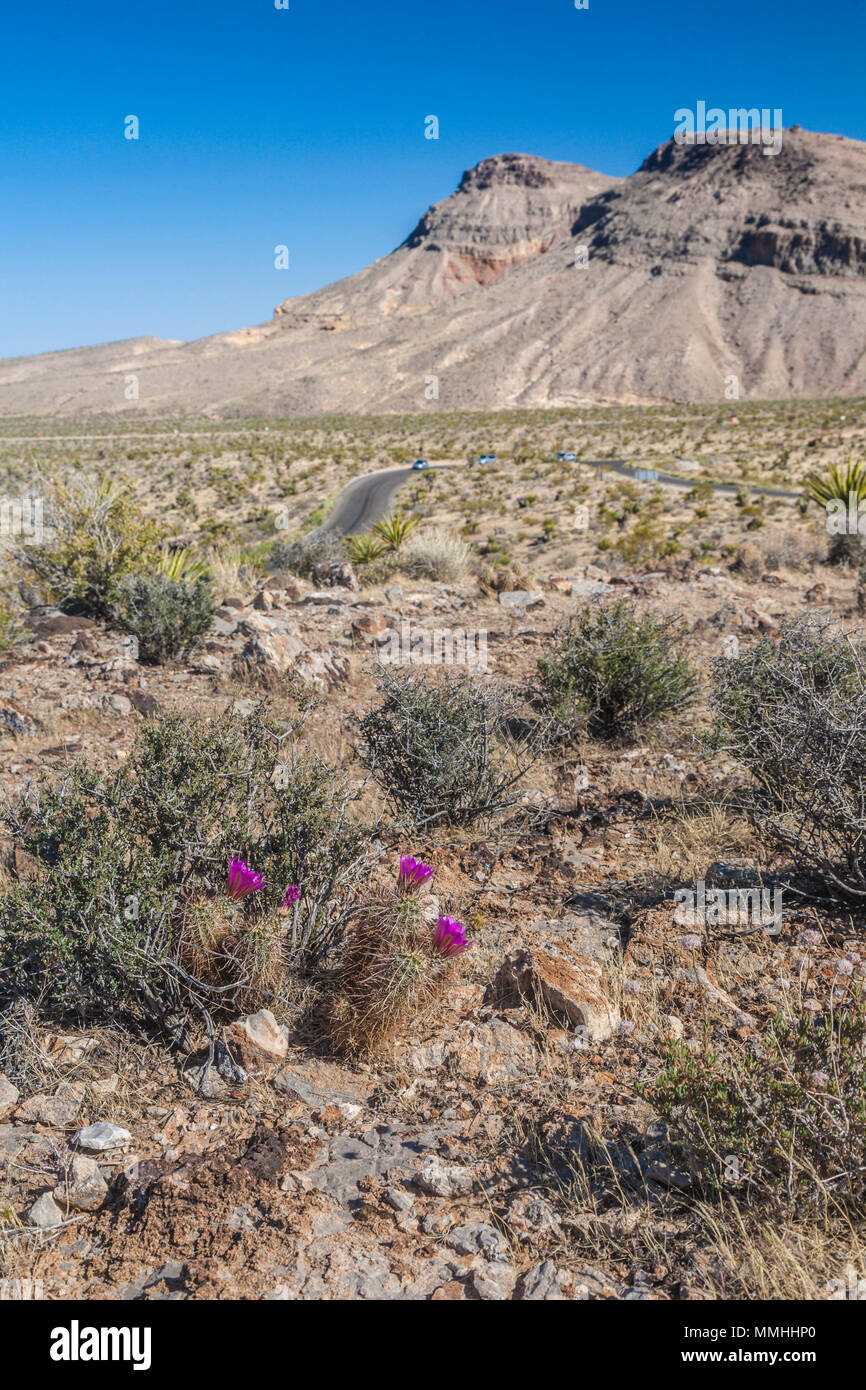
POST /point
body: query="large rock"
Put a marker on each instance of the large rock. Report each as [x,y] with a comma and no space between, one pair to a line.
[569,985]
[8,1097]
[102,1136]
[44,1213]
[332,573]
[257,1040]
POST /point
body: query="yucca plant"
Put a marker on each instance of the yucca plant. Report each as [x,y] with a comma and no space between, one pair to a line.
[395,528]
[181,564]
[838,484]
[364,550]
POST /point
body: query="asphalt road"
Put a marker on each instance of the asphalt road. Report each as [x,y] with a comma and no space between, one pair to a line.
[365,499]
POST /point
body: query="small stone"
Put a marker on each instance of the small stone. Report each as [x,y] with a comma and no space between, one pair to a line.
[53,1111]
[257,1039]
[494,1281]
[541,1284]
[85,1187]
[102,1136]
[399,1200]
[8,1097]
[480,1239]
[44,1213]
[521,598]
[444,1180]
[263,601]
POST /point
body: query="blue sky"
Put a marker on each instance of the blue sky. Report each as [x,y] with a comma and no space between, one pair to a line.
[305,127]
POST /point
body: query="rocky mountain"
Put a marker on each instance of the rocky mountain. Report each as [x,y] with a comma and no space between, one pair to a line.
[544,284]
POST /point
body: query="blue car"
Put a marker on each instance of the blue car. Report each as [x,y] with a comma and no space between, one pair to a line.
[486,458]
[419,464]
[567,458]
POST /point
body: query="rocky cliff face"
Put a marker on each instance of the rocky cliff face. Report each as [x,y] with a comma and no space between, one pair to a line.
[540,283]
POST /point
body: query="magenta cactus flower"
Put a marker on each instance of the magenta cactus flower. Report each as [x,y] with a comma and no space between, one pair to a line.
[290,897]
[413,873]
[450,937]
[243,880]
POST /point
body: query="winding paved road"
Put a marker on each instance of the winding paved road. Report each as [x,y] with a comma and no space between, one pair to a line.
[365,499]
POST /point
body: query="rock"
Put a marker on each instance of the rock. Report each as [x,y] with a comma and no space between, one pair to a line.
[283,583]
[479,1239]
[44,1213]
[394,592]
[56,1111]
[16,720]
[204,1080]
[263,601]
[521,598]
[68,1047]
[118,704]
[818,593]
[494,1281]
[102,1136]
[60,625]
[440,1179]
[257,1040]
[144,702]
[85,1187]
[8,1097]
[569,985]
[207,665]
[331,574]
[233,602]
[672,1026]
[540,1283]
[492,1053]
[399,1199]
[560,584]
[587,588]
[370,625]
[271,655]
[322,1083]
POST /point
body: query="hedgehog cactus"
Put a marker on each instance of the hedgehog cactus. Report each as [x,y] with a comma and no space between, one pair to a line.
[228,945]
[395,966]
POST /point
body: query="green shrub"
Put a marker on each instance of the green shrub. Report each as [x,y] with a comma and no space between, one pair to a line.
[301,555]
[615,671]
[98,537]
[783,1125]
[793,711]
[168,616]
[439,748]
[121,910]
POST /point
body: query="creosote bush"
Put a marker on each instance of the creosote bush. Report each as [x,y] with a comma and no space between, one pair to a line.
[791,1115]
[301,555]
[793,712]
[97,538]
[439,746]
[168,616]
[614,671]
[120,904]
[394,967]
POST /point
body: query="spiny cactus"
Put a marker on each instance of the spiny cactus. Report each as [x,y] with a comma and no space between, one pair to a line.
[394,968]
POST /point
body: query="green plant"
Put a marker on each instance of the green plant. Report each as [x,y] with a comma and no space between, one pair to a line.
[98,537]
[615,671]
[364,550]
[792,710]
[301,555]
[782,1125]
[440,749]
[181,564]
[168,616]
[395,528]
[118,896]
[837,485]
[13,627]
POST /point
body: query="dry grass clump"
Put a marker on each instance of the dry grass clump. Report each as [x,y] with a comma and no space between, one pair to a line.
[437,555]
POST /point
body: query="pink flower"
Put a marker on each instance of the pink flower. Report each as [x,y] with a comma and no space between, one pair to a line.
[243,880]
[450,937]
[690,942]
[290,897]
[413,873]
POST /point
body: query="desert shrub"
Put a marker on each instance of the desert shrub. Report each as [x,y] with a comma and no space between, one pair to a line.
[168,616]
[833,491]
[97,537]
[439,748]
[504,578]
[615,671]
[13,627]
[301,555]
[234,570]
[793,711]
[437,555]
[791,1114]
[393,970]
[121,907]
